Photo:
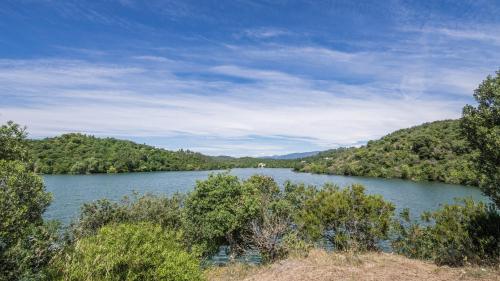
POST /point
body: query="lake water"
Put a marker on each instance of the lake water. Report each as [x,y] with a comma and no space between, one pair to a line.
[71,191]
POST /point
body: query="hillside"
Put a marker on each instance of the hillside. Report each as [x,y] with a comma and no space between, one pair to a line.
[80,154]
[322,266]
[291,156]
[84,154]
[433,151]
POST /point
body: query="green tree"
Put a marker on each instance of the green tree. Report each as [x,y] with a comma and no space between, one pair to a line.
[23,200]
[218,211]
[140,251]
[13,142]
[481,126]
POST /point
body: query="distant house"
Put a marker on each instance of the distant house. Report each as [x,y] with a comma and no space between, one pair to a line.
[328,158]
[261,165]
[303,161]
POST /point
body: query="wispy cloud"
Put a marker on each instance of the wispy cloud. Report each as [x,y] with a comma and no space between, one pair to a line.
[144,101]
[264,32]
[241,78]
[484,33]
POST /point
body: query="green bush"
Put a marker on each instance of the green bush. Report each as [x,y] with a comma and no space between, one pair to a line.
[29,258]
[131,252]
[271,223]
[218,211]
[22,200]
[453,235]
[348,218]
[161,210]
[26,244]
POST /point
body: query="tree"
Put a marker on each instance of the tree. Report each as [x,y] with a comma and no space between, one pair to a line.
[267,229]
[218,212]
[23,200]
[481,125]
[13,142]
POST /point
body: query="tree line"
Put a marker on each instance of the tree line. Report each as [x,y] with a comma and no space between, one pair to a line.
[86,154]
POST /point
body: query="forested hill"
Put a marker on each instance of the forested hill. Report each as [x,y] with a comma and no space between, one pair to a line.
[80,154]
[431,151]
[84,154]
[434,151]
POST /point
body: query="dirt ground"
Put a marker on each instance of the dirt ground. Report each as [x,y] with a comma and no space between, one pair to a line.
[322,266]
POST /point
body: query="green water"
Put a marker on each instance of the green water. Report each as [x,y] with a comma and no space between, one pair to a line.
[71,191]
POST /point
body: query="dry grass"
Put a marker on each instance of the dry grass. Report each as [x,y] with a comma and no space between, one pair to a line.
[322,266]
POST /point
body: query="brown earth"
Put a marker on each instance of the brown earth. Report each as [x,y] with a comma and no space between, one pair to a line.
[322,266]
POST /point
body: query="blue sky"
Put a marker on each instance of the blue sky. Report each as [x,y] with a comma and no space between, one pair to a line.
[242,77]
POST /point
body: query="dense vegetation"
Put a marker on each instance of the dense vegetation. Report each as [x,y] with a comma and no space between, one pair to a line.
[481,125]
[172,238]
[459,234]
[84,154]
[26,241]
[139,251]
[435,151]
[80,154]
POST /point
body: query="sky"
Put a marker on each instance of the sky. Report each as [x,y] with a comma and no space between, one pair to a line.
[240,77]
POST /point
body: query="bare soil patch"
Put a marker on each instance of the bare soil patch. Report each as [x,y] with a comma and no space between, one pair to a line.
[322,266]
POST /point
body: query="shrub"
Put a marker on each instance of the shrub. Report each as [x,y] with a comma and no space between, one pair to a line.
[218,211]
[30,256]
[348,218]
[161,210]
[95,215]
[131,252]
[22,199]
[26,244]
[453,235]
[272,222]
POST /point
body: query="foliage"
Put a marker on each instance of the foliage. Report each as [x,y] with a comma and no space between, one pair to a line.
[218,211]
[481,125]
[272,222]
[348,218]
[30,257]
[453,235]
[434,151]
[160,210]
[83,154]
[26,244]
[140,251]
[295,246]
[22,200]
[12,142]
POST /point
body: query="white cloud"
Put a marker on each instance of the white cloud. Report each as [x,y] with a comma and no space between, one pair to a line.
[61,96]
[489,34]
[264,33]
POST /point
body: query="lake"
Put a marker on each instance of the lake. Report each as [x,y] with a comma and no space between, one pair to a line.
[71,191]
